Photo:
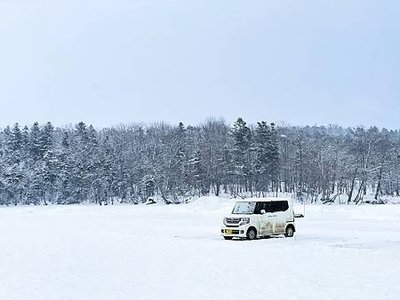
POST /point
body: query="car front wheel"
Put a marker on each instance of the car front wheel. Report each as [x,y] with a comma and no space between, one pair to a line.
[251,234]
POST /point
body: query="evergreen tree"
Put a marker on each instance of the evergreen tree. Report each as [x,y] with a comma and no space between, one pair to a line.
[242,154]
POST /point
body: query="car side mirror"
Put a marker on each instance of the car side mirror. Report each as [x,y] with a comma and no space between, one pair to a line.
[263,211]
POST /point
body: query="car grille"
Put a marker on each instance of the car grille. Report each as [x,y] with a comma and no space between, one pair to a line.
[232,220]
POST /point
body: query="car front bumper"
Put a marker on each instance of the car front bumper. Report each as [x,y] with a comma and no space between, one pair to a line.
[239,232]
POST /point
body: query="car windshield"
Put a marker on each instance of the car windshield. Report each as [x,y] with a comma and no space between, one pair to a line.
[242,208]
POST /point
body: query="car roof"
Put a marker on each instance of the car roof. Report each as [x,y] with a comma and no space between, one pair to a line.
[263,200]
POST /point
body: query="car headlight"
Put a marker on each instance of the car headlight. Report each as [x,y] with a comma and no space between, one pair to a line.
[224,221]
[244,221]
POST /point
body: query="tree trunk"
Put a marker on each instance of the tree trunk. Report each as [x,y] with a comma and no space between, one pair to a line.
[352,187]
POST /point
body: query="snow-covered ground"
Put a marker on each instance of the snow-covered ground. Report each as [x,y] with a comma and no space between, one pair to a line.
[176,252]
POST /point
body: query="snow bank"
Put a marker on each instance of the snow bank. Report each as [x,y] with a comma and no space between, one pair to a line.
[208,203]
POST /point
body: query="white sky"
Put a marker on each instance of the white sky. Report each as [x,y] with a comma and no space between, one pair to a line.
[107,62]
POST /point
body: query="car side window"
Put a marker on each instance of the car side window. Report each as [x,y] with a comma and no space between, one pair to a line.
[280,206]
[268,207]
[274,206]
[259,207]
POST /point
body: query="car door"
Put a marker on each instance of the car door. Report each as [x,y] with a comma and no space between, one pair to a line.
[261,218]
[268,219]
[280,208]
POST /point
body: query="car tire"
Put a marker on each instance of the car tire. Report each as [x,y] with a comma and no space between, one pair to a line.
[251,234]
[289,232]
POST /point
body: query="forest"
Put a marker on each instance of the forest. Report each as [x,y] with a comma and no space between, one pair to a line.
[43,164]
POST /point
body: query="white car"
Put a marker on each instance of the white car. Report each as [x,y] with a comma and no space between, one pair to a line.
[254,218]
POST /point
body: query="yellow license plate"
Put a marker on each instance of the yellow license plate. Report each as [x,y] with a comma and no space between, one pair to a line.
[228,231]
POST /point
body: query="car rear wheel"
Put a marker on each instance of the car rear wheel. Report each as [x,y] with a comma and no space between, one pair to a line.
[289,232]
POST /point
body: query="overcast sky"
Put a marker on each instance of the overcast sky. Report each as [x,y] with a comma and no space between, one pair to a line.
[123,61]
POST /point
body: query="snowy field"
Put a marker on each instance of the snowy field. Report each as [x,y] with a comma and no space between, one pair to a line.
[176,252]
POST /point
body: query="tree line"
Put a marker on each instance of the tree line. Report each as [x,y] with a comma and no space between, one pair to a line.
[42,164]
